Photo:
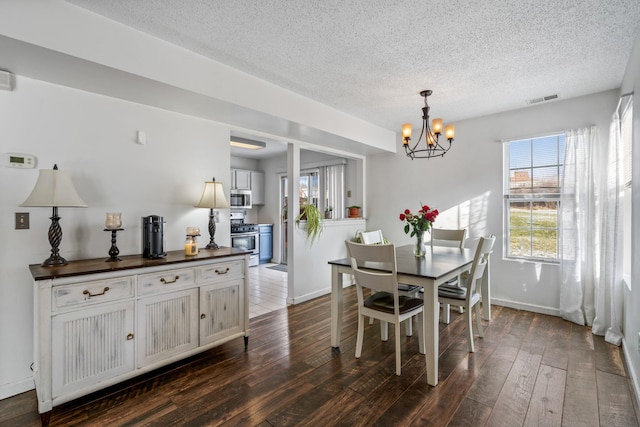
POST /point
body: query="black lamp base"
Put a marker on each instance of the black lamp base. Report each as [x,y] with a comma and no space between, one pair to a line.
[55,237]
[212,231]
[54,261]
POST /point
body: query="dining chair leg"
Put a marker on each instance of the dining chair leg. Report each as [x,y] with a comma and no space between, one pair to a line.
[422,345]
[384,330]
[408,326]
[398,355]
[446,315]
[469,330]
[479,320]
[360,336]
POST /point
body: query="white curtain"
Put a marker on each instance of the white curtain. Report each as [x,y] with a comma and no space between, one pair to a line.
[591,225]
[334,183]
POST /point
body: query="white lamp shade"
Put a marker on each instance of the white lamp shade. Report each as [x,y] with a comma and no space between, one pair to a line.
[54,188]
[213,196]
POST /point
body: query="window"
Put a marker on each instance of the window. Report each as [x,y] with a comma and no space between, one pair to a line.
[533,168]
[328,181]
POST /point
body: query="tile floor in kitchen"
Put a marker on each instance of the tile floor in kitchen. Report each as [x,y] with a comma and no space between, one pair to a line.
[267,290]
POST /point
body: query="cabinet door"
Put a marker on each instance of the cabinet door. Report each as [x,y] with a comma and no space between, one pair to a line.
[90,346]
[221,310]
[266,244]
[167,325]
[257,187]
[242,179]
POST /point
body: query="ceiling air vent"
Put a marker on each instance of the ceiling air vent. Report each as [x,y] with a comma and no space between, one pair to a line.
[543,99]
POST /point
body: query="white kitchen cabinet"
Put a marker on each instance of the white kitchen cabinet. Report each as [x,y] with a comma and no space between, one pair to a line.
[97,323]
[257,187]
[240,179]
[249,180]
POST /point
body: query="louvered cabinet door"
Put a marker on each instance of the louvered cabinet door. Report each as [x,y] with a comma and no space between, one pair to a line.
[92,345]
[167,326]
[221,310]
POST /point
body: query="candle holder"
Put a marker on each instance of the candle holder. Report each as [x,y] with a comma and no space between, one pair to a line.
[113,252]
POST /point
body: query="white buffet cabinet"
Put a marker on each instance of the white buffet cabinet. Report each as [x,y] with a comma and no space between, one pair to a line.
[98,323]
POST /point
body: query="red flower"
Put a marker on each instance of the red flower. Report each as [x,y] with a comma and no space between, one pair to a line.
[402,217]
[425,208]
[407,211]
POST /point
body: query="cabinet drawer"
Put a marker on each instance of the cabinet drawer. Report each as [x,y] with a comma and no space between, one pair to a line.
[221,271]
[95,292]
[165,281]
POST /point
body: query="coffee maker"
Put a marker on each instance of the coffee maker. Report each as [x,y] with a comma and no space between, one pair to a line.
[153,237]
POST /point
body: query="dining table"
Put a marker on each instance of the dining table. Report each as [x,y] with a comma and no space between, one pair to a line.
[439,265]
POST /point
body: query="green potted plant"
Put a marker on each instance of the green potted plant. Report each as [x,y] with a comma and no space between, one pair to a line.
[354,211]
[311,214]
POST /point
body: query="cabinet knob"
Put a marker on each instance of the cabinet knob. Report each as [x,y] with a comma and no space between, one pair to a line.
[129,337]
[202,316]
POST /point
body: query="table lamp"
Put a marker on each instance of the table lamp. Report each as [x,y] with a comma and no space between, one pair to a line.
[54,189]
[212,198]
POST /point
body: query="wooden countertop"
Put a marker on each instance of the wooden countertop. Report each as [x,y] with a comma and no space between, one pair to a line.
[99,265]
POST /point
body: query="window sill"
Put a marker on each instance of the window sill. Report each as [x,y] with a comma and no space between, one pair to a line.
[531,260]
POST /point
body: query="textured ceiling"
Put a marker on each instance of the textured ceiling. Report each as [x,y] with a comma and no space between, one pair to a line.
[370,58]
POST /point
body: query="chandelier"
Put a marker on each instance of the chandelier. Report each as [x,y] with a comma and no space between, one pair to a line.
[431,135]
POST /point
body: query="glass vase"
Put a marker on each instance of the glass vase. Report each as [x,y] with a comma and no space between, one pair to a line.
[419,250]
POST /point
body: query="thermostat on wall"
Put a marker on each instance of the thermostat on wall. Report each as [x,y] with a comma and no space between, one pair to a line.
[18,160]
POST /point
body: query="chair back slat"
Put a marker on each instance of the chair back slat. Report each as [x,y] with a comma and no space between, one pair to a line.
[480,261]
[382,257]
[448,237]
[371,237]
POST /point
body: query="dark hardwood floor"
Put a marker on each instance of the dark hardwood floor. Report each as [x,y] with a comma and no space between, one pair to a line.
[529,369]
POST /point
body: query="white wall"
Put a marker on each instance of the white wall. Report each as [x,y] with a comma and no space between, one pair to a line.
[466,185]
[92,138]
[631,330]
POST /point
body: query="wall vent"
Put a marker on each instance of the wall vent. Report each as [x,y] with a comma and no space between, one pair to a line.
[6,80]
[543,99]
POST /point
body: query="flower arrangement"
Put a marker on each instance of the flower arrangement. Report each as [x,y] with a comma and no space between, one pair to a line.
[421,221]
[418,223]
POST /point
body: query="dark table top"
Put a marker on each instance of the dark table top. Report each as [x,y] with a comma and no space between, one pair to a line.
[99,265]
[435,264]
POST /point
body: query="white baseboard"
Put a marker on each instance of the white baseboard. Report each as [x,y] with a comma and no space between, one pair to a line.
[634,377]
[527,307]
[302,298]
[12,389]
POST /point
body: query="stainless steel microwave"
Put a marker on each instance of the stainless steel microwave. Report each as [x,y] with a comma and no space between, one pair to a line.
[240,199]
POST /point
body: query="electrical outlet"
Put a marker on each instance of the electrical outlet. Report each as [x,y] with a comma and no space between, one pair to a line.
[22,220]
[216,216]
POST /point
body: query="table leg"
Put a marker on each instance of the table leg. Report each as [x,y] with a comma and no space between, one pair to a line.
[431,314]
[336,306]
[485,291]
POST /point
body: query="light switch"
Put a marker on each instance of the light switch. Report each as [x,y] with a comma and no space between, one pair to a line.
[22,220]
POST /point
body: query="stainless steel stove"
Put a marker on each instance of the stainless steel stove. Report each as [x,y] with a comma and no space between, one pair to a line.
[245,236]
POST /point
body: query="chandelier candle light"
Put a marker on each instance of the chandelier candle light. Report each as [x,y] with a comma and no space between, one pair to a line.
[431,135]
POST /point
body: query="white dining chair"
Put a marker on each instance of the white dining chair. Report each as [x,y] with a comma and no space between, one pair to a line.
[468,295]
[453,238]
[375,237]
[385,303]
